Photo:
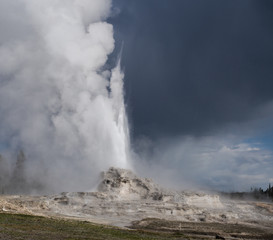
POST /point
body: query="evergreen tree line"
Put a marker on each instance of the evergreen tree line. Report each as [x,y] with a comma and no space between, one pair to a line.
[12,178]
[265,193]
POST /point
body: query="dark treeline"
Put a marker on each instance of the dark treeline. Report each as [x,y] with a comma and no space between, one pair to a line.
[265,193]
[254,193]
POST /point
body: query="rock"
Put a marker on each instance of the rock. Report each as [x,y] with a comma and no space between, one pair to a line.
[122,183]
[62,200]
[219,237]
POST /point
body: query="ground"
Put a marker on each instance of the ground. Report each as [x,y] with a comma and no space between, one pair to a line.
[25,227]
[128,207]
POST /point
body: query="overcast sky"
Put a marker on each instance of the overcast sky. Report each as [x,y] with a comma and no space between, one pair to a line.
[198,90]
[200,70]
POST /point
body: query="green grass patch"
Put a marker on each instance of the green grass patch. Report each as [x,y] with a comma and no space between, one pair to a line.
[16,226]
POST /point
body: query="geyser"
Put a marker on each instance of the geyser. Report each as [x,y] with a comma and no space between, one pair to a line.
[58,100]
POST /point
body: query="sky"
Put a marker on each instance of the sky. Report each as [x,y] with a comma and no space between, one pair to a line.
[180,91]
[199,89]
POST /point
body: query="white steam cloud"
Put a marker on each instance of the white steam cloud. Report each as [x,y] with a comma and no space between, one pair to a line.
[218,162]
[58,102]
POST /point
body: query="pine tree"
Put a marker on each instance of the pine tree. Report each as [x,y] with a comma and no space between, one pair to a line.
[1,175]
[18,179]
[4,175]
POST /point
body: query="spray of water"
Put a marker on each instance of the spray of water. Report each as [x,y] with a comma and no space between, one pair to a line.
[58,101]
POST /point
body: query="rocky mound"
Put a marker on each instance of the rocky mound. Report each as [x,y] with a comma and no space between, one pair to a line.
[122,183]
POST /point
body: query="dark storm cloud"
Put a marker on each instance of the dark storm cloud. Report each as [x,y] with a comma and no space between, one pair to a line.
[193,67]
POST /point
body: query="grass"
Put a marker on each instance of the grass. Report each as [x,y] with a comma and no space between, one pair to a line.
[16,226]
[26,227]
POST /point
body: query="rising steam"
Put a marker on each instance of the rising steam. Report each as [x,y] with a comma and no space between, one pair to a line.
[58,101]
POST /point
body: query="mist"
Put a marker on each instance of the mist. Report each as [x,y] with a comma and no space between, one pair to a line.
[61,106]
[211,163]
[197,78]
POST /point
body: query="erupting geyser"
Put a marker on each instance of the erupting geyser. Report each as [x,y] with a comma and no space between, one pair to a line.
[58,101]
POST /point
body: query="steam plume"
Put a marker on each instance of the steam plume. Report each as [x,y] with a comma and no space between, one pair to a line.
[58,101]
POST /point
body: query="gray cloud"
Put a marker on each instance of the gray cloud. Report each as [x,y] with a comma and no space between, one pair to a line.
[210,163]
[193,67]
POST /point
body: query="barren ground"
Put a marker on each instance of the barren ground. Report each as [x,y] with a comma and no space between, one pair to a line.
[128,202]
